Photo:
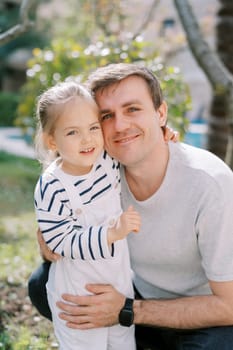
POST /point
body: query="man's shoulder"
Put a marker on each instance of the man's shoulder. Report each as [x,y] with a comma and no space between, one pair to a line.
[199,161]
[198,158]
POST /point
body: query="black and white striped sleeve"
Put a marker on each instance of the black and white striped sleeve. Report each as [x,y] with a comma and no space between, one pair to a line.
[61,231]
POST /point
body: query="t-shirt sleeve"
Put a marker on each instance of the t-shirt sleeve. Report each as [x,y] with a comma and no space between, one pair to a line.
[215,229]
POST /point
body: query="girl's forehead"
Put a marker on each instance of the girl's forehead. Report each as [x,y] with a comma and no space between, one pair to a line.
[78,112]
[81,102]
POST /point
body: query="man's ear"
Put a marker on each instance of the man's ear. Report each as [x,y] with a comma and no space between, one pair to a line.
[162,111]
[49,141]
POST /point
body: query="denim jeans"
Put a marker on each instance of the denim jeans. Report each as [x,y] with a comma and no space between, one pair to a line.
[215,338]
[37,290]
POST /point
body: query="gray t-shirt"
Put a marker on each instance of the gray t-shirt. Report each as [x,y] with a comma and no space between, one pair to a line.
[186,236]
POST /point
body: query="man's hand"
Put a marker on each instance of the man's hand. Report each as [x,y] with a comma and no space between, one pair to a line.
[92,311]
[45,252]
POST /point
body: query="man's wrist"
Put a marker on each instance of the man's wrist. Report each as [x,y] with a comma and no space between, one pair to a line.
[126,315]
[137,308]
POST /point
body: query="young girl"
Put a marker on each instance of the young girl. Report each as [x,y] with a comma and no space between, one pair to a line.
[77,201]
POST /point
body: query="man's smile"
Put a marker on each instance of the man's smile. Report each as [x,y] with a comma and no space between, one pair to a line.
[126,138]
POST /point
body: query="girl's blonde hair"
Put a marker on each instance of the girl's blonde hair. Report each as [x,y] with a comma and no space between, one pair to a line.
[49,107]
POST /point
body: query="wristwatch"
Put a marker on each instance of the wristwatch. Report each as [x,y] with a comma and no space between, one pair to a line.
[126,314]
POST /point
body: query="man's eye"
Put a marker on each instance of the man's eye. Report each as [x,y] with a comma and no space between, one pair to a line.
[105,117]
[133,109]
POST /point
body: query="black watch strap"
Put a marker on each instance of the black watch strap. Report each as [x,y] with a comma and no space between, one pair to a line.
[126,315]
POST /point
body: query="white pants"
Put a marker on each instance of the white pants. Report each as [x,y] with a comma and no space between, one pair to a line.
[109,338]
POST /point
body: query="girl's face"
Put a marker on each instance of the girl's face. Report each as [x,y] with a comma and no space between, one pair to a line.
[77,136]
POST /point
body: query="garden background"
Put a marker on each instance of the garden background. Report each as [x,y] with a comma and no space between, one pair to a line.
[58,41]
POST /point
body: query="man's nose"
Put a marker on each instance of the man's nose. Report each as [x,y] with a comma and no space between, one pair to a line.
[121,122]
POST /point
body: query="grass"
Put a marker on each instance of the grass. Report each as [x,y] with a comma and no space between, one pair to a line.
[21,327]
[17,181]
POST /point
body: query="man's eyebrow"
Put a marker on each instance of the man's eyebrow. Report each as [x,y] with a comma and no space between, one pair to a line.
[105,110]
[125,104]
[131,102]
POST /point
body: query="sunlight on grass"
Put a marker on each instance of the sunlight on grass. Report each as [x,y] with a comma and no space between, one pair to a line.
[17,182]
[19,252]
[21,327]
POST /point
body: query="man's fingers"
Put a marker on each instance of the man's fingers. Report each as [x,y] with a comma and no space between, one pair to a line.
[45,252]
[98,288]
[78,321]
[75,304]
[87,325]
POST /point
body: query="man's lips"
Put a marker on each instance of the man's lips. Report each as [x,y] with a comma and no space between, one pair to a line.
[126,139]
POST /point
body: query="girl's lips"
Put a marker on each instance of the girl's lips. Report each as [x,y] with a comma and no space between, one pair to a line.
[88,150]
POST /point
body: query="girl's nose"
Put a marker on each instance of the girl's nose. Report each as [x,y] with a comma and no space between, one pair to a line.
[86,137]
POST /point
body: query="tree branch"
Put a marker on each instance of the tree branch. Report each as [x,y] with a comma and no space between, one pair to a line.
[216,72]
[22,27]
[147,19]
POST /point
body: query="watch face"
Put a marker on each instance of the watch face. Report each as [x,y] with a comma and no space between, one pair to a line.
[126,317]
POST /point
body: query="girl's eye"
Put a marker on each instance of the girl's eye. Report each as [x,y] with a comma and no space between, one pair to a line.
[96,127]
[72,132]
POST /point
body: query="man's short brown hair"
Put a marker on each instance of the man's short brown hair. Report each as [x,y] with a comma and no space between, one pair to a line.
[113,73]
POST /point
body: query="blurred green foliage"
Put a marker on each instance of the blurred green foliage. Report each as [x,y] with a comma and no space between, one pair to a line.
[66,59]
[8,105]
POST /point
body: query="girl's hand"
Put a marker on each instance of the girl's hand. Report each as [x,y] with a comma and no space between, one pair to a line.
[129,221]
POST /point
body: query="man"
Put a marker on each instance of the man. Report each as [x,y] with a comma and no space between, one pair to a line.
[182,258]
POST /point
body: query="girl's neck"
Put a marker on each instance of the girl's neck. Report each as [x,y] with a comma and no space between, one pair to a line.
[75,171]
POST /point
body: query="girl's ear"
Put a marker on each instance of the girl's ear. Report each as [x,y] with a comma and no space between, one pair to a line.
[49,141]
[162,110]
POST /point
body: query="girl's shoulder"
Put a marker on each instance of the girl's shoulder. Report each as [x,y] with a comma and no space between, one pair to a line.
[47,186]
[112,162]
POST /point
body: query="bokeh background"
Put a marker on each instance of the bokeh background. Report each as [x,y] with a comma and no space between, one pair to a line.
[188,45]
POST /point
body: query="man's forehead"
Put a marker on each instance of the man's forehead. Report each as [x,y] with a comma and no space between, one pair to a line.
[116,88]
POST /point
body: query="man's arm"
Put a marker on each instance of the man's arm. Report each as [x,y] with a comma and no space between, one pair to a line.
[189,312]
[102,309]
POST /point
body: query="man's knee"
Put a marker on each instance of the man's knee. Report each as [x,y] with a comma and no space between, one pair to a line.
[149,338]
[217,338]
[37,290]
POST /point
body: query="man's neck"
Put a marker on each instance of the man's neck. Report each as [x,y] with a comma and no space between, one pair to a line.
[146,179]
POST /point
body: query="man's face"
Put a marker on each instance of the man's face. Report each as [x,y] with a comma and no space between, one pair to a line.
[130,123]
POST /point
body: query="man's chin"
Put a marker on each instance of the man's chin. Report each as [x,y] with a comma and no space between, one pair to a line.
[121,156]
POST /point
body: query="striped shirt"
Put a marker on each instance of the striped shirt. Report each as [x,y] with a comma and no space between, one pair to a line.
[76,234]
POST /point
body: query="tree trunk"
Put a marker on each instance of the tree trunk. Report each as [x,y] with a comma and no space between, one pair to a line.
[219,127]
[220,78]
